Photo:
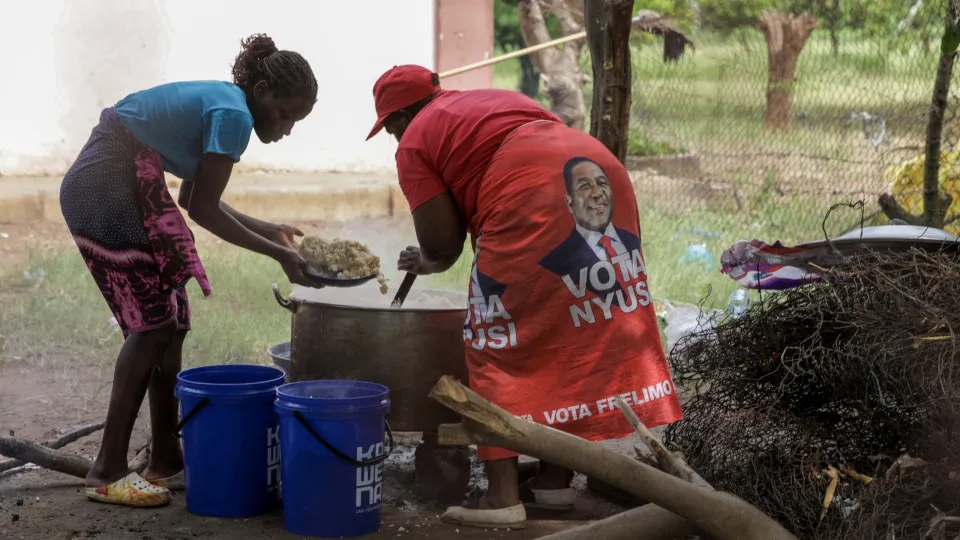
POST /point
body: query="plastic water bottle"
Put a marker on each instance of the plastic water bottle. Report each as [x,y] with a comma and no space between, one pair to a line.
[738,303]
[698,254]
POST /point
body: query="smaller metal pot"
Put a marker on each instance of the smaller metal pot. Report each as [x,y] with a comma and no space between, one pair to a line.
[281,356]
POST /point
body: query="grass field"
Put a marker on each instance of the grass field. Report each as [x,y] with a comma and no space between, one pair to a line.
[711,102]
[65,316]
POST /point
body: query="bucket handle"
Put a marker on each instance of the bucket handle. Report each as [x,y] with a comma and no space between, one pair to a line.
[372,461]
[284,303]
[204,401]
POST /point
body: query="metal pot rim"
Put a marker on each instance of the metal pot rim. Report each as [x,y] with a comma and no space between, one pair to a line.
[293,299]
[385,310]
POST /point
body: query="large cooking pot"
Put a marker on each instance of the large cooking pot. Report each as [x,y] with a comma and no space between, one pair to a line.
[354,334]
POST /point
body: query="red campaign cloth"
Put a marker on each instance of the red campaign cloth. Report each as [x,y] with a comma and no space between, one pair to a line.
[555,331]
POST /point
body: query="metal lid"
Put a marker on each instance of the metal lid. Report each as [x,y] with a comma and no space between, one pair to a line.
[891,235]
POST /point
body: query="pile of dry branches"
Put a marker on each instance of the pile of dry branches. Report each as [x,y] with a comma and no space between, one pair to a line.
[835,407]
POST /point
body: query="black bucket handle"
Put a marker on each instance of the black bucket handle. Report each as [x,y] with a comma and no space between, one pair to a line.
[372,461]
[204,401]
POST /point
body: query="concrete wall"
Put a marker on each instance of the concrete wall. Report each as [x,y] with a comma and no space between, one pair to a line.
[464,36]
[67,59]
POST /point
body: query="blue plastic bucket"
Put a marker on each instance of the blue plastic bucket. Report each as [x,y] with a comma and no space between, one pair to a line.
[331,433]
[231,444]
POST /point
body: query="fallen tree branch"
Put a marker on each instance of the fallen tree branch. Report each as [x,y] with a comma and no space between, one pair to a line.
[667,461]
[719,514]
[58,460]
[141,459]
[893,210]
[54,460]
[649,522]
[65,439]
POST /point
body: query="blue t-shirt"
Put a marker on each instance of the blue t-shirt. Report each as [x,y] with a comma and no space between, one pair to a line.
[182,121]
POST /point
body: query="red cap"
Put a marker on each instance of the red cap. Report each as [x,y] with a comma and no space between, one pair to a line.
[401,87]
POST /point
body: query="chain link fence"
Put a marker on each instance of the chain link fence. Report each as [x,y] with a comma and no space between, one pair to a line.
[709,171]
[707,166]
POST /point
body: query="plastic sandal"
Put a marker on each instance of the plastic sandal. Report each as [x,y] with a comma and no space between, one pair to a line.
[131,490]
[556,500]
[514,517]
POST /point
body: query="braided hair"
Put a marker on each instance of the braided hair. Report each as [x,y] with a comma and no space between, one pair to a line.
[286,73]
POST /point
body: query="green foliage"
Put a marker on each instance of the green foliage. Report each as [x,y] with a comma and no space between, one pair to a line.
[640,145]
[728,15]
[879,19]
[950,41]
[678,9]
[506,25]
[886,20]
[869,18]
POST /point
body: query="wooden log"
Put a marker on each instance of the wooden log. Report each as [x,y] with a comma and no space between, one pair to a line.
[58,460]
[65,439]
[719,514]
[649,522]
[608,24]
[454,435]
[54,460]
[612,494]
[666,460]
[141,459]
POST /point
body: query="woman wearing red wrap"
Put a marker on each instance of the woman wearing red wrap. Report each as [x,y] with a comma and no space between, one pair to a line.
[560,320]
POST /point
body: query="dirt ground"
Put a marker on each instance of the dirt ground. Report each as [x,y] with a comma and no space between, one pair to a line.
[39,401]
[40,505]
[17,240]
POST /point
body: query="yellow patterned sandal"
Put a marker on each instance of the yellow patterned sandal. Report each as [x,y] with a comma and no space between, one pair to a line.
[176,482]
[131,490]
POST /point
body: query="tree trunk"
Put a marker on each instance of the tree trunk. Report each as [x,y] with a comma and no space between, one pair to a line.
[933,213]
[559,68]
[936,203]
[608,25]
[786,35]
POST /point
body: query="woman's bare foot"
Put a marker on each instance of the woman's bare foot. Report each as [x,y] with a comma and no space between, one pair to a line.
[97,477]
[153,473]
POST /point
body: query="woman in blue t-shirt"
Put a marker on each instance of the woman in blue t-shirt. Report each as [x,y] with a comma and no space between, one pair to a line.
[140,251]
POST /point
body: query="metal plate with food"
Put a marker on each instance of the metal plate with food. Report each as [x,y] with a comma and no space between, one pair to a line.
[341,263]
[327,279]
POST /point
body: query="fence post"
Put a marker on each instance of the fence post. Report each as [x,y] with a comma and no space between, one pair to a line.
[608,25]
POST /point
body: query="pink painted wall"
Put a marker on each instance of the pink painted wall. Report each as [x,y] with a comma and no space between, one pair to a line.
[464,35]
